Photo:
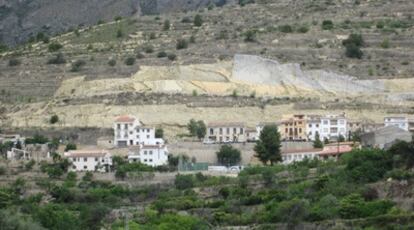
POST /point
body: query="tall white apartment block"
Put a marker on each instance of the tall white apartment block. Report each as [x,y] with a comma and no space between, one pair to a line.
[128,131]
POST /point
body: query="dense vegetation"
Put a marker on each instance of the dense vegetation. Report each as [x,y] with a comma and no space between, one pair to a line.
[348,190]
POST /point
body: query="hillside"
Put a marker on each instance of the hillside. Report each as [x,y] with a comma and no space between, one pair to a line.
[20,20]
[252,63]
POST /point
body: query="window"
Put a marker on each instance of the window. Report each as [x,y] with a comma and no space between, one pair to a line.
[317,125]
[325,122]
[300,130]
[148,136]
[227,138]
[74,167]
[85,167]
[148,130]
[150,152]
[145,160]
[310,125]
[286,130]
[228,130]
[118,126]
[131,142]
[150,160]
[137,136]
[241,130]
[211,131]
[221,131]
[126,126]
[130,132]
[85,159]
[234,130]
[96,159]
[145,152]
[341,122]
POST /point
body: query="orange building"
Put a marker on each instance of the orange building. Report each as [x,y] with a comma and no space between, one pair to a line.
[294,128]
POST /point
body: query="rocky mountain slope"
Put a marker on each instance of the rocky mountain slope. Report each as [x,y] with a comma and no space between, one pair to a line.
[20,20]
[252,63]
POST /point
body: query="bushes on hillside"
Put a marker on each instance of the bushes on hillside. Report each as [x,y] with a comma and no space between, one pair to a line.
[353,46]
[77,65]
[54,46]
[181,44]
[129,61]
[327,25]
[54,119]
[57,60]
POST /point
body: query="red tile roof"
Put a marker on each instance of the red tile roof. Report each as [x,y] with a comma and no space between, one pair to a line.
[125,118]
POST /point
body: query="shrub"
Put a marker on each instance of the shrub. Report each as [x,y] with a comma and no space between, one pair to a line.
[303,29]
[70,146]
[183,181]
[166,25]
[77,65]
[172,57]
[159,133]
[327,25]
[54,119]
[198,20]
[367,165]
[119,33]
[181,44]
[14,62]
[112,62]
[285,29]
[152,36]
[353,51]
[385,44]
[59,59]
[186,20]
[130,61]
[227,155]
[29,165]
[355,39]
[118,18]
[250,36]
[162,54]
[55,46]
[192,39]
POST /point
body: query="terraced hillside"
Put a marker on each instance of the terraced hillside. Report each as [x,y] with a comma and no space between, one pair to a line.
[153,65]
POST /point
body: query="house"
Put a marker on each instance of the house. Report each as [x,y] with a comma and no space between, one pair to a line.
[129,131]
[401,122]
[333,126]
[152,155]
[89,160]
[292,156]
[385,137]
[251,135]
[313,127]
[225,132]
[294,128]
[329,151]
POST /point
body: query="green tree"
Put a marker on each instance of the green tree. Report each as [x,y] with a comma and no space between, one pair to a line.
[250,36]
[341,138]
[317,143]
[198,20]
[159,133]
[227,155]
[166,25]
[192,127]
[54,119]
[201,129]
[268,146]
[70,146]
[327,25]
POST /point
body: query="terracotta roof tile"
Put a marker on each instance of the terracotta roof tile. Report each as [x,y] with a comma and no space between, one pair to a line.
[125,118]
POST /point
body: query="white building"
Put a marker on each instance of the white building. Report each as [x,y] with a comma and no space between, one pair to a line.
[129,131]
[400,122]
[329,126]
[14,138]
[152,155]
[89,160]
[225,132]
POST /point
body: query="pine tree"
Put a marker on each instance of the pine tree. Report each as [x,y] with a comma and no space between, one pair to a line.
[268,146]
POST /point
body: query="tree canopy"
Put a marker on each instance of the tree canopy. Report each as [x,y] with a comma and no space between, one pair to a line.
[227,155]
[267,147]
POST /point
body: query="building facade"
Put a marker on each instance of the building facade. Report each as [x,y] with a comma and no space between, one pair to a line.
[225,132]
[89,160]
[327,126]
[400,122]
[152,155]
[294,128]
[128,131]
[385,137]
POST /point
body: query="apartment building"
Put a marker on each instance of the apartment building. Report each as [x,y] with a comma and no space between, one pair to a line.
[400,122]
[225,132]
[294,128]
[129,131]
